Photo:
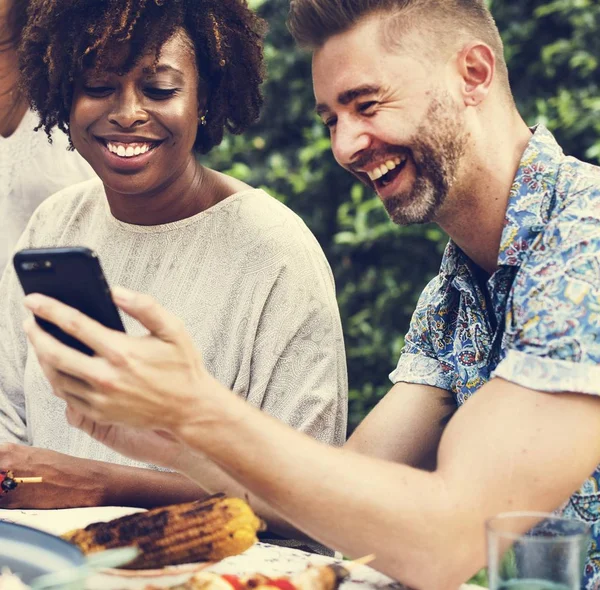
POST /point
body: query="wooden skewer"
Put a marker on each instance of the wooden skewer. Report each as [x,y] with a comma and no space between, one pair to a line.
[358,562]
[29,479]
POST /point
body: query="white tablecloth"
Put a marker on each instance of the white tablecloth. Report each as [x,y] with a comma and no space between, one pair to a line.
[262,558]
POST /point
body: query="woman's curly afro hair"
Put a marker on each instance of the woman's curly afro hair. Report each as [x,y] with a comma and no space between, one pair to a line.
[64,37]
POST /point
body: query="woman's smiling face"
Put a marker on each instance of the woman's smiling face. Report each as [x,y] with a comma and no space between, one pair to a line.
[138,130]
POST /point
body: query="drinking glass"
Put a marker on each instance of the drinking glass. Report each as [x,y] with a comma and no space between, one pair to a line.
[536,551]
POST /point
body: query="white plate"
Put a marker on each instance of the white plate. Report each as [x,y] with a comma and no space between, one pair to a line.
[58,522]
[138,579]
[62,521]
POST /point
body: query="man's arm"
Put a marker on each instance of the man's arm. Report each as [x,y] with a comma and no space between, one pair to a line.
[415,412]
[508,448]
[406,425]
[162,449]
[73,482]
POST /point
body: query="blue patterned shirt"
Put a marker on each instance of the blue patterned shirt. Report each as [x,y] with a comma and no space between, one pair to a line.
[538,324]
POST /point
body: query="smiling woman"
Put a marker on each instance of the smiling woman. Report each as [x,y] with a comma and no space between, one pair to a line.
[142,74]
[135,131]
[143,88]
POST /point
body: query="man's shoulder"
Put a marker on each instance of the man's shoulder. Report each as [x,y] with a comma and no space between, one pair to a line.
[576,215]
[571,217]
[564,256]
[577,191]
[435,297]
[581,168]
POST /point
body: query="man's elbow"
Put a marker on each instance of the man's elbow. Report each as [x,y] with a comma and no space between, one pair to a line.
[455,550]
[442,568]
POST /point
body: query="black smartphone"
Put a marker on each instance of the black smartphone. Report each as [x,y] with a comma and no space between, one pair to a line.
[73,276]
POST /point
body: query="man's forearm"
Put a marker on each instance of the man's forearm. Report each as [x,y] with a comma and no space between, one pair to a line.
[347,501]
[426,529]
[214,479]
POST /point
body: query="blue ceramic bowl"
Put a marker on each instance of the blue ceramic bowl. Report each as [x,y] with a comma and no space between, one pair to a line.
[31,553]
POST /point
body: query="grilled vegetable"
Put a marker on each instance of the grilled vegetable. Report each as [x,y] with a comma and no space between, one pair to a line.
[207,581]
[208,530]
[326,577]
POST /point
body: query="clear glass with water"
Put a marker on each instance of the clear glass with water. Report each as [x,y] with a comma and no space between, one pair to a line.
[536,551]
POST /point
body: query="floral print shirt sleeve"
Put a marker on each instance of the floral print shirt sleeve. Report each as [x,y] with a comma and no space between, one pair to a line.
[553,319]
[419,362]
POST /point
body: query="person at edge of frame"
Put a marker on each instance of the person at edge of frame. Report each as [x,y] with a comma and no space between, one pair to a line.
[31,168]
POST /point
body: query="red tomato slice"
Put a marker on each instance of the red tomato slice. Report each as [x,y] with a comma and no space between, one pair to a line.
[234,581]
[282,584]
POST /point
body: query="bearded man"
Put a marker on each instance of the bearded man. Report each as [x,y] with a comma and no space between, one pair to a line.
[417,98]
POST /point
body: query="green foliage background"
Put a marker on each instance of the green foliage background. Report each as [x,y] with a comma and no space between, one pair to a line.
[552,47]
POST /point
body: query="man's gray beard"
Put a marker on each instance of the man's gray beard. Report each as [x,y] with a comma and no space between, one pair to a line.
[419,207]
[437,153]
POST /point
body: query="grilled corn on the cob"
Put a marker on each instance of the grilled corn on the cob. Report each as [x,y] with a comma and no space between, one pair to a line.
[207,530]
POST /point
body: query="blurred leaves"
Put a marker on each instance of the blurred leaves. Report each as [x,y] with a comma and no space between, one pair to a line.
[552,47]
[553,50]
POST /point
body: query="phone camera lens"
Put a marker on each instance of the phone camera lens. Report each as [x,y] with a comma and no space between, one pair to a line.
[34,265]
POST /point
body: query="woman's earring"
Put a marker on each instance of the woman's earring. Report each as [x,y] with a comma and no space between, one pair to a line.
[202,119]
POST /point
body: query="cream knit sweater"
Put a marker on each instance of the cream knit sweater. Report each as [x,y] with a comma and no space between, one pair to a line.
[31,169]
[247,278]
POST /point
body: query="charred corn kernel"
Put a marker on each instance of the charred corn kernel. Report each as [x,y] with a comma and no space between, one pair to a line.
[208,530]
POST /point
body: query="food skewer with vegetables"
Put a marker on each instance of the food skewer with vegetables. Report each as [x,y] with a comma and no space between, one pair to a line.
[325,577]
